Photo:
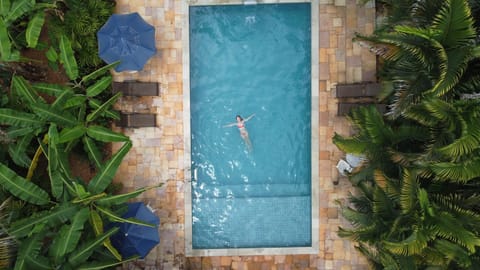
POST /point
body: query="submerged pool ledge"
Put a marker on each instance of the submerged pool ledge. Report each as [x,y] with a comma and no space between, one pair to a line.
[315,192]
[250,251]
[241,2]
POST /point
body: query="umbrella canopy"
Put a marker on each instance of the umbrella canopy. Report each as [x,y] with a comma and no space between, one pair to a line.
[128,38]
[134,239]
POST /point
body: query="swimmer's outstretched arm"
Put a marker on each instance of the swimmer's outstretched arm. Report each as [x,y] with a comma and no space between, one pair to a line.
[248,118]
[230,125]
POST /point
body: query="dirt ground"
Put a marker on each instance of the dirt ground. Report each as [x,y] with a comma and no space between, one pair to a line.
[37,59]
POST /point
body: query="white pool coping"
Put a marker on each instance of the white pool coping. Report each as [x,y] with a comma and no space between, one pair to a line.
[314,248]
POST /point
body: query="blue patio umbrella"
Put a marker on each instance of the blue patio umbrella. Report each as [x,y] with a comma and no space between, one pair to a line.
[128,38]
[132,239]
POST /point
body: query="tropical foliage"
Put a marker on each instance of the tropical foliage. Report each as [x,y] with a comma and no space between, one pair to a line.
[44,120]
[80,20]
[75,111]
[15,31]
[50,237]
[55,220]
[417,205]
[53,118]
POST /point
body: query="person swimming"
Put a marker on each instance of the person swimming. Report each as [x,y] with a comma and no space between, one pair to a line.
[243,130]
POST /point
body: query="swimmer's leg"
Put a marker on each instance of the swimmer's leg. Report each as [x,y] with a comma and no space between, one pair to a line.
[249,144]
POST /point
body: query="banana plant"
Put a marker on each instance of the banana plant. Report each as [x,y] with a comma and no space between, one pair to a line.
[76,111]
[67,212]
[11,16]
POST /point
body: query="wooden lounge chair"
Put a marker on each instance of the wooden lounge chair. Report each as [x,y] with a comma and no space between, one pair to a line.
[357,90]
[134,88]
[358,94]
[137,120]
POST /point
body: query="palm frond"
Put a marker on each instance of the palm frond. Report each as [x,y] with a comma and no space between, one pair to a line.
[466,143]
[452,66]
[350,145]
[447,227]
[460,172]
[453,252]
[408,193]
[455,24]
[412,245]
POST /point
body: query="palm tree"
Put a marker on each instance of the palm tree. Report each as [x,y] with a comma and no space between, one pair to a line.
[406,214]
[427,55]
[418,192]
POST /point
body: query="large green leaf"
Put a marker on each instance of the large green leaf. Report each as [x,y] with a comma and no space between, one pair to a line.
[18,118]
[123,198]
[14,132]
[92,151]
[34,28]
[24,90]
[28,249]
[99,86]
[57,116]
[5,44]
[22,188]
[97,225]
[4,7]
[58,215]
[71,134]
[98,112]
[85,251]
[107,172]
[56,183]
[111,113]
[103,134]
[116,218]
[51,89]
[39,263]
[67,58]
[18,151]
[75,101]
[52,56]
[99,72]
[69,235]
[62,99]
[19,8]
[105,265]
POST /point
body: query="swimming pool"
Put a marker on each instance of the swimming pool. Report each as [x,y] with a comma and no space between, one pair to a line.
[246,60]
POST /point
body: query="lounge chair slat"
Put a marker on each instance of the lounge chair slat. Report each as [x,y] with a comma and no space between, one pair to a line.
[138,89]
[137,120]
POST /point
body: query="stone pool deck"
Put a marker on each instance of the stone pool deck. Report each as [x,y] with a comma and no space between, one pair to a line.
[157,155]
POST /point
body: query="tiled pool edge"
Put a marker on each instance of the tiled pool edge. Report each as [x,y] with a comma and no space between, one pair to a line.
[157,154]
[313,249]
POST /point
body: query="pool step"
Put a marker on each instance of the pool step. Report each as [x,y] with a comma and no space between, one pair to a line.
[248,191]
[252,222]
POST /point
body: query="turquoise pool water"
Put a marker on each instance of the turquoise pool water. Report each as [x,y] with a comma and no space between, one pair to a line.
[251,60]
